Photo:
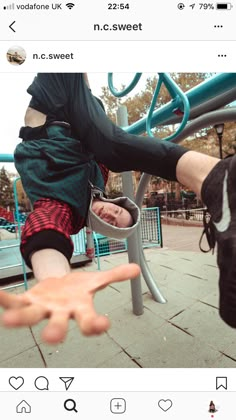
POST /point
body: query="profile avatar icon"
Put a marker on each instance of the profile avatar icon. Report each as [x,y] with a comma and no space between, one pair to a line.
[16,55]
[212,407]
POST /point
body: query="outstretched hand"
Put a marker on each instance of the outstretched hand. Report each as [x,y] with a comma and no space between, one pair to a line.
[60,299]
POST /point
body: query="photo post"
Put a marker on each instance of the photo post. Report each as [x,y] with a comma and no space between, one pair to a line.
[117,209]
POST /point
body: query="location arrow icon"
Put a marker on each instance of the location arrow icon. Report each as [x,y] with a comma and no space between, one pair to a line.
[67,381]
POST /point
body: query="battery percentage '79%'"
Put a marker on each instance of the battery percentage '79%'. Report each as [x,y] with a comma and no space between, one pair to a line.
[205,6]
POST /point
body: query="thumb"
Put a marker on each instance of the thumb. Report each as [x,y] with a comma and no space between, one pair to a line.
[117,274]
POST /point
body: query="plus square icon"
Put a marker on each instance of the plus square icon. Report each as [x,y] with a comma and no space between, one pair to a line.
[118,405]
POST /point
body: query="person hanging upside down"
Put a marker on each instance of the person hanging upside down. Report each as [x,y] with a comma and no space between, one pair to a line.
[68,145]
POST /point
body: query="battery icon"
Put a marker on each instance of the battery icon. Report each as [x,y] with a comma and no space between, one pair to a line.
[224,6]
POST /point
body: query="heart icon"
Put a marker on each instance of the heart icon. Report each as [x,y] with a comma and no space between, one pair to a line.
[165,405]
[16,383]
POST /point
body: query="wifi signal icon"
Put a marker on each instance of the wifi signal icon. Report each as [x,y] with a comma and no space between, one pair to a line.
[70,5]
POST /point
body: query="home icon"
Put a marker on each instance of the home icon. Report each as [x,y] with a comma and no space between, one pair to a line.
[23,407]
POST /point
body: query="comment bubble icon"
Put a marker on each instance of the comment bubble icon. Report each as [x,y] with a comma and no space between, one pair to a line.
[41,383]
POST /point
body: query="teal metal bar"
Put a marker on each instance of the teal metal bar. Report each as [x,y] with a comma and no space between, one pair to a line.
[219,89]
[6,158]
[125,91]
[177,95]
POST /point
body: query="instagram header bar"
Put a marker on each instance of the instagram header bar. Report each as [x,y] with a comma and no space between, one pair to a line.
[119,21]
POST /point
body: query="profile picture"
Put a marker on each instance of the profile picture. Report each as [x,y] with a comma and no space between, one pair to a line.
[212,408]
[16,55]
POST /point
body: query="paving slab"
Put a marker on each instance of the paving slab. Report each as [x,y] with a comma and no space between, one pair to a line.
[176,303]
[110,299]
[126,328]
[30,358]
[192,286]
[182,238]
[212,299]
[224,362]
[230,350]
[203,321]
[170,347]
[14,342]
[36,330]
[120,360]
[79,351]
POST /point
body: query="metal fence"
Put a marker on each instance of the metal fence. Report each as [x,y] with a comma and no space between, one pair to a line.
[8,246]
[151,227]
[79,243]
[195,215]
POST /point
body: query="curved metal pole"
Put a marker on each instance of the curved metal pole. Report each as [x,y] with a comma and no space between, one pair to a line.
[211,118]
[148,277]
[134,240]
[135,247]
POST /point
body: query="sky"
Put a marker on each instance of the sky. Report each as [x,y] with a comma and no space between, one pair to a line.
[15,99]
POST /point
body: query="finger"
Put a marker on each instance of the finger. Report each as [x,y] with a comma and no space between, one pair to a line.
[117,274]
[27,316]
[93,325]
[10,301]
[56,329]
[90,323]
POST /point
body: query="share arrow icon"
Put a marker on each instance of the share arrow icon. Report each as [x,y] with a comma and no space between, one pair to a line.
[67,381]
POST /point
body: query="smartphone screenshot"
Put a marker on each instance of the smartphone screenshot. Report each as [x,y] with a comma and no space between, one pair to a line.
[117,209]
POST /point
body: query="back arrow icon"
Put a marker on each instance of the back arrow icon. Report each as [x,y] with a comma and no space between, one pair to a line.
[10,26]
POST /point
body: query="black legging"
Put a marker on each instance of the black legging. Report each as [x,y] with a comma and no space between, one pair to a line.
[66,96]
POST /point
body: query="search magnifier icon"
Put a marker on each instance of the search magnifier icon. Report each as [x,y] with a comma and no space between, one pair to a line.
[70,405]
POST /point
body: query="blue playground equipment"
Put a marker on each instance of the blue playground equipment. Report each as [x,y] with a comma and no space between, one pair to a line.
[202,106]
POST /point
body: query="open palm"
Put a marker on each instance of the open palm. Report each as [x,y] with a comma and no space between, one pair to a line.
[60,299]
